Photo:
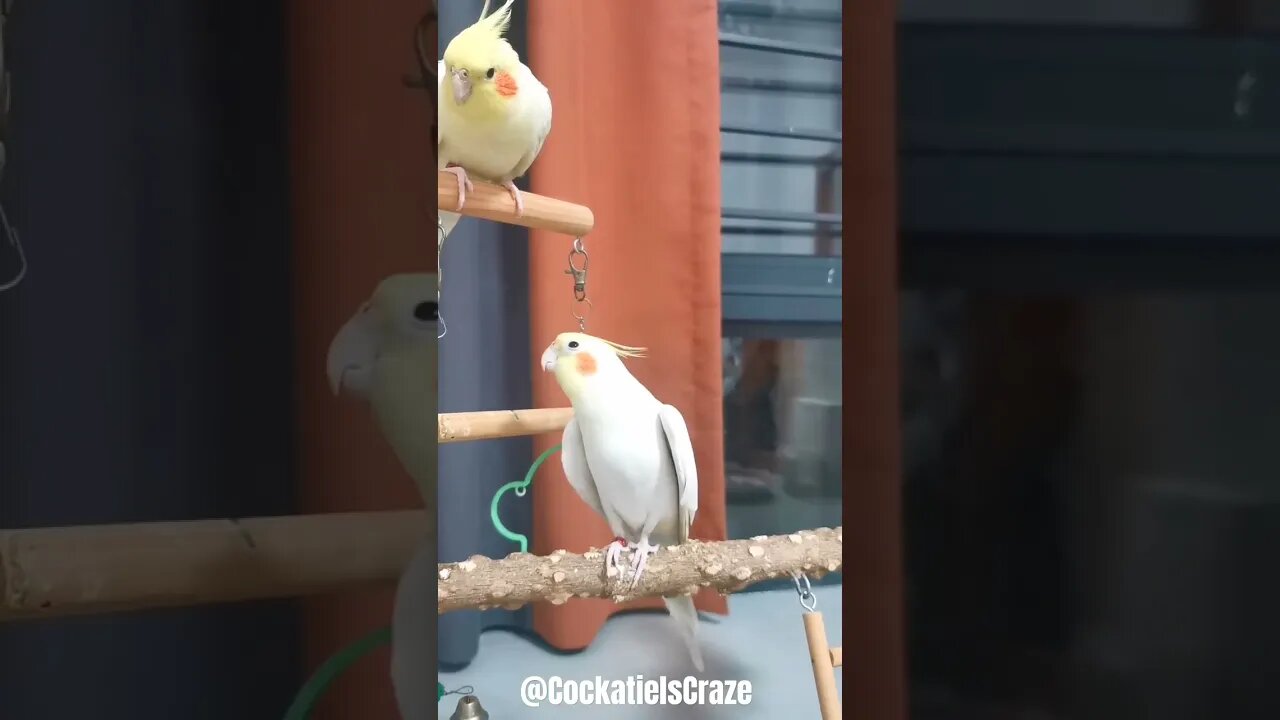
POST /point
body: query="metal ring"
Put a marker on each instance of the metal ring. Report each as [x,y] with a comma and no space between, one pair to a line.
[808,600]
[586,260]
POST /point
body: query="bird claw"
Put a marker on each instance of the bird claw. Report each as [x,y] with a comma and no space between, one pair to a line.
[613,556]
[464,184]
[640,560]
[515,195]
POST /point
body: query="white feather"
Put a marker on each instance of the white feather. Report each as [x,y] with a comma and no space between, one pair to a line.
[446,219]
[681,448]
[574,459]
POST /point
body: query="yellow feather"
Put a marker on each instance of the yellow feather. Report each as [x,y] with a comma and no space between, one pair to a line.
[624,350]
[491,28]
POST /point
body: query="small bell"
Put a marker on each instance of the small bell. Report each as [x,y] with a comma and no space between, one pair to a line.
[469,708]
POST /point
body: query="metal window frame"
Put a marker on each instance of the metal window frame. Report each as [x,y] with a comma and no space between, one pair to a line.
[1043,134]
[774,11]
[764,295]
[781,47]
[773,295]
[790,133]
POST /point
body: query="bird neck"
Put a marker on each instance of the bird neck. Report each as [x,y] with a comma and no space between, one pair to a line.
[599,397]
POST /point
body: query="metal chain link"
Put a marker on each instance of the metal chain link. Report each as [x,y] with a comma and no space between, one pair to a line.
[579,275]
[10,233]
[808,600]
[440,235]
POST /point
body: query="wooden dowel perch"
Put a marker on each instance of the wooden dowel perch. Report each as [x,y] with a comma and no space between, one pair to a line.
[492,202]
[50,572]
[824,676]
[837,658]
[463,427]
[484,583]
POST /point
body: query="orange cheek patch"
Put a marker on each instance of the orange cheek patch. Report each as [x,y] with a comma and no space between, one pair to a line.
[506,84]
[586,364]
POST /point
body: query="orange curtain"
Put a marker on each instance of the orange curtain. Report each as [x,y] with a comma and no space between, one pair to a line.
[636,137]
[362,209]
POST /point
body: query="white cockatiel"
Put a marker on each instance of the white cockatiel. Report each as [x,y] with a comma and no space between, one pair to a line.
[493,113]
[629,457]
[387,354]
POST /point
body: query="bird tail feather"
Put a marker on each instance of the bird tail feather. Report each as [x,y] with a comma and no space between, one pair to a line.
[686,617]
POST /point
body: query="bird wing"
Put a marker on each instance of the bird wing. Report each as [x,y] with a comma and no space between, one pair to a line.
[439,89]
[540,113]
[573,456]
[446,220]
[681,448]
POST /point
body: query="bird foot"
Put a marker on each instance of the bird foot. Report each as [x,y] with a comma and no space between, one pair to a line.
[464,184]
[640,560]
[613,556]
[515,195]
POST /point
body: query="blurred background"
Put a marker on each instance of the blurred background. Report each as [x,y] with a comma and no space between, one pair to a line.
[1091,289]
[146,358]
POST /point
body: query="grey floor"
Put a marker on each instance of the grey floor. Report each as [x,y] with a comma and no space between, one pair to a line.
[762,640]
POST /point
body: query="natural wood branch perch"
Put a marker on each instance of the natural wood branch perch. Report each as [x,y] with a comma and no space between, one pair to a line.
[49,572]
[484,583]
[492,202]
[463,427]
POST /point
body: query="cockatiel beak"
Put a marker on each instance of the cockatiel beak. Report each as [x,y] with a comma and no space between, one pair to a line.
[549,359]
[352,354]
[461,81]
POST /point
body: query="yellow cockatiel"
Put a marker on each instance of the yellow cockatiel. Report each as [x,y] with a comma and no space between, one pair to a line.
[493,113]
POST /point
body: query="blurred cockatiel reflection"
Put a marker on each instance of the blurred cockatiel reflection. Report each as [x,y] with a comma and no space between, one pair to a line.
[386,353]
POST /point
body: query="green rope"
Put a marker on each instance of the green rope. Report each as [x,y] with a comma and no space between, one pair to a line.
[337,664]
[324,676]
[519,487]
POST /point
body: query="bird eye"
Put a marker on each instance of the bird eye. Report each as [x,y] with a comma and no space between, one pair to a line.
[489,74]
[427,311]
[573,344]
